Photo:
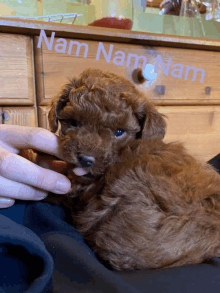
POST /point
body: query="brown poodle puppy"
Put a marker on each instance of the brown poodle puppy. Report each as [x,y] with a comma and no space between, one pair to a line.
[139,203]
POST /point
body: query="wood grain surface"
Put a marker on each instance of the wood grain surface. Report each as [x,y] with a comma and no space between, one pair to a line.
[179,87]
[198,127]
[16,70]
[23,116]
[31,27]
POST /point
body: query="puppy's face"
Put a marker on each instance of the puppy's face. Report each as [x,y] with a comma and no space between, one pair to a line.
[100,113]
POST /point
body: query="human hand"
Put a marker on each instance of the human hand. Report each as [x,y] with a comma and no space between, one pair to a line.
[20,178]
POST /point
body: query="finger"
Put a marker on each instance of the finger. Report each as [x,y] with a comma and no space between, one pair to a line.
[23,137]
[15,190]
[18,169]
[6,202]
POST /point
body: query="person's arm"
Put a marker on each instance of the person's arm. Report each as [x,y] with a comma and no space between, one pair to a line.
[22,179]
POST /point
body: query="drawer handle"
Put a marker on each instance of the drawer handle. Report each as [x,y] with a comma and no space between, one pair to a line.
[160,89]
[208,90]
[5,116]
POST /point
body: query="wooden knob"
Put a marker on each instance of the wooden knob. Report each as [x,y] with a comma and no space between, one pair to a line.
[147,73]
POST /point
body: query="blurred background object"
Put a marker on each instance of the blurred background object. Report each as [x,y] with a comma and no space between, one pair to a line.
[50,10]
[70,17]
[210,9]
[191,19]
[86,10]
[217,11]
[6,10]
[172,7]
[117,14]
[154,3]
[22,7]
[153,16]
[189,8]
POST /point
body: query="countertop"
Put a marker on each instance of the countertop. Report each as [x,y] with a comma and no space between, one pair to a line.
[31,27]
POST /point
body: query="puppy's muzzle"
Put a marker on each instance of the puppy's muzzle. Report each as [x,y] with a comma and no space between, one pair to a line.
[86,161]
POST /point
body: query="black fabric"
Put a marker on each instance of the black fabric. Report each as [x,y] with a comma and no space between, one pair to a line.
[41,252]
[25,263]
[215,162]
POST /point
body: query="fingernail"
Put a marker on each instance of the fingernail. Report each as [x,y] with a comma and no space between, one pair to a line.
[63,186]
[40,195]
[6,202]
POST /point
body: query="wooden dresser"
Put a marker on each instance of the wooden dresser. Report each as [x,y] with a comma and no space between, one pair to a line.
[185,87]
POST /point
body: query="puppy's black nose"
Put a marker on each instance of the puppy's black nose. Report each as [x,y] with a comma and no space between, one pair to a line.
[86,161]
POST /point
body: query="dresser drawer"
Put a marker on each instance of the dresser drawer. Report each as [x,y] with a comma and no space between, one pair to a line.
[16,70]
[22,116]
[184,76]
[198,127]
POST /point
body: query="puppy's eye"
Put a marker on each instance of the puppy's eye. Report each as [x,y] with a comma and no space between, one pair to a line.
[119,132]
[74,123]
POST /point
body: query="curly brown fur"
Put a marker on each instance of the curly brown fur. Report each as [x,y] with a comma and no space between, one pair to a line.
[142,203]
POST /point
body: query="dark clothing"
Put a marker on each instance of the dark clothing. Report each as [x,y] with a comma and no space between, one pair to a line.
[41,252]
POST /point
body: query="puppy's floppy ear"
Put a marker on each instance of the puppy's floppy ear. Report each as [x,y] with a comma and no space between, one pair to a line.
[56,105]
[153,124]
